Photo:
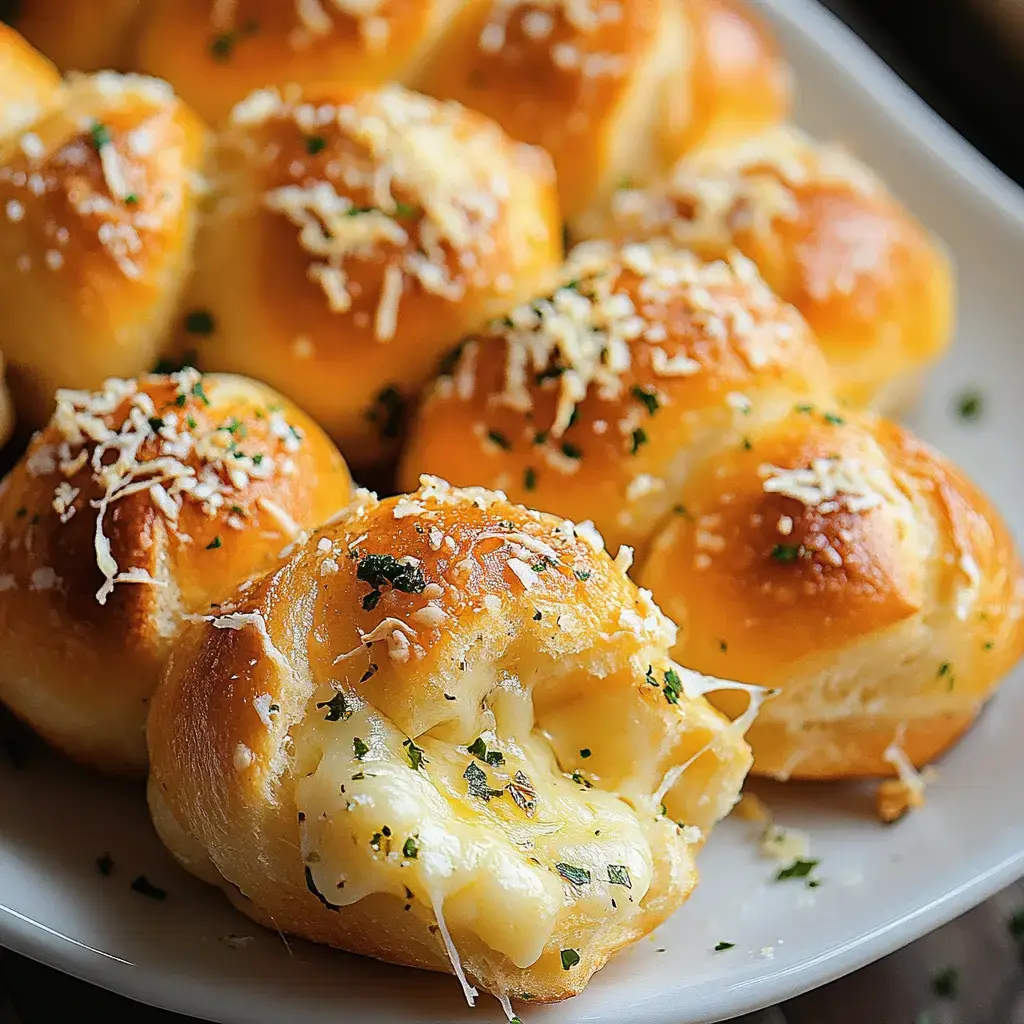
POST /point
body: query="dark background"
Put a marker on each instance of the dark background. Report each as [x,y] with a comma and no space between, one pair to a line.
[966,66]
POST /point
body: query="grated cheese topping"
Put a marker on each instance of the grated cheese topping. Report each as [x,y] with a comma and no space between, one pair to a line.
[130,446]
[134,196]
[829,484]
[403,183]
[587,333]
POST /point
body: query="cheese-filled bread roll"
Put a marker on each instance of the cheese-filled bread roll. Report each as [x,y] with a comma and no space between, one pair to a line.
[597,400]
[98,209]
[850,565]
[29,83]
[446,733]
[827,236]
[136,508]
[353,239]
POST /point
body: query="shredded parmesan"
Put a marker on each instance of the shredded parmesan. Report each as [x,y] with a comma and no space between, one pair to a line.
[827,484]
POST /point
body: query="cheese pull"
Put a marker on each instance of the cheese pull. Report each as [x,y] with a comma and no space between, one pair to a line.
[445,733]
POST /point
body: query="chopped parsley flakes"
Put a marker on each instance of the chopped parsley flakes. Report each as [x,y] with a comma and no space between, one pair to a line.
[499,439]
[478,748]
[648,398]
[315,144]
[415,755]
[410,848]
[618,874]
[969,405]
[798,869]
[573,874]
[529,478]
[378,570]
[720,946]
[673,686]
[476,779]
[214,544]
[100,135]
[570,958]
[359,748]
[946,983]
[387,413]
[338,710]
[786,552]
[637,440]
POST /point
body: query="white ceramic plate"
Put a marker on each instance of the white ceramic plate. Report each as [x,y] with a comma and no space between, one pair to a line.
[881,887]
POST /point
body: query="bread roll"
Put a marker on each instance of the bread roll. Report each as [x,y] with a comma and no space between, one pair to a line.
[351,241]
[29,83]
[82,35]
[446,734]
[136,508]
[614,91]
[828,237]
[97,218]
[221,50]
[741,85]
[598,400]
[849,564]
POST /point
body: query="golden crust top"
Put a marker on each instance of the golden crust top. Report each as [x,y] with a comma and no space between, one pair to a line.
[826,235]
[642,354]
[474,686]
[98,202]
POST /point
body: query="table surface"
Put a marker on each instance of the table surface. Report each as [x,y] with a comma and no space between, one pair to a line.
[971,971]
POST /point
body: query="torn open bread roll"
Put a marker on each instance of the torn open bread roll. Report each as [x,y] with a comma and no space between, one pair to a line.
[352,239]
[599,398]
[136,507]
[852,566]
[827,236]
[98,209]
[446,733]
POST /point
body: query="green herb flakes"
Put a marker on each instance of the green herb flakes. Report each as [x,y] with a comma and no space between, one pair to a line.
[573,874]
[410,848]
[618,874]
[144,887]
[359,748]
[415,755]
[798,869]
[315,144]
[946,983]
[969,405]
[478,748]
[673,686]
[721,946]
[570,958]
[476,779]
[529,478]
[214,544]
[648,398]
[337,710]
[637,440]
[199,321]
[786,553]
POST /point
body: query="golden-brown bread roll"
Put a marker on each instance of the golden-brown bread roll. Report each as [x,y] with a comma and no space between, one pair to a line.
[827,236]
[352,240]
[6,407]
[598,400]
[741,85]
[98,206]
[137,507]
[613,91]
[849,564]
[29,83]
[224,49]
[82,35]
[446,733]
